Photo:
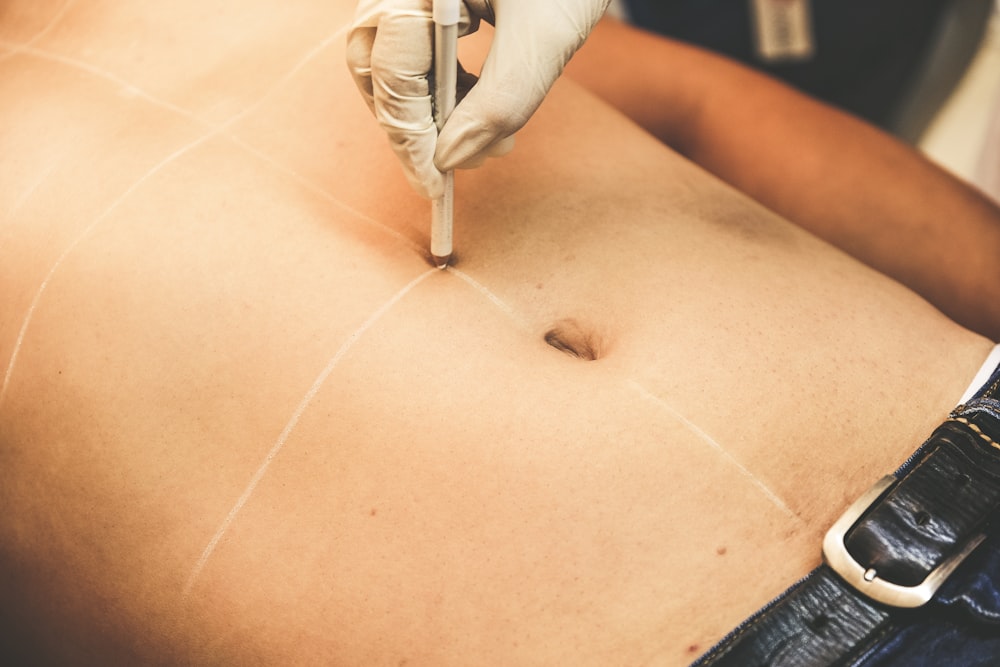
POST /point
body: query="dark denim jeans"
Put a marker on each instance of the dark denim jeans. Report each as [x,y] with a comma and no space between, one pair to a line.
[867,51]
[961,625]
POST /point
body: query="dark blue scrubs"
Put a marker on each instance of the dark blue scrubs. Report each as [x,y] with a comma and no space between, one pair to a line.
[867,52]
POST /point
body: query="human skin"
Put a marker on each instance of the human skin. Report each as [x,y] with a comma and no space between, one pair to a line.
[837,176]
[244,421]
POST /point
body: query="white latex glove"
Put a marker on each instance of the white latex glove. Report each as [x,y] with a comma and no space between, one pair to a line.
[390,53]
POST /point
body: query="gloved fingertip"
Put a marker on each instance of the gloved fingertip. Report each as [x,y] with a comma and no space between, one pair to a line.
[476,161]
[434,190]
[451,155]
[428,185]
[501,147]
[498,148]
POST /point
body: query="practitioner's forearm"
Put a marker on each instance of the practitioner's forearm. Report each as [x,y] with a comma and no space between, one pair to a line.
[855,186]
[842,179]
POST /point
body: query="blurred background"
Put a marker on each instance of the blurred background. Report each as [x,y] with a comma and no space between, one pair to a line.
[927,71]
[963,134]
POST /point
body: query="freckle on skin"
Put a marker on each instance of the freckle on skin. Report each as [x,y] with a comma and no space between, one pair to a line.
[693,648]
[721,551]
[539,285]
[373,512]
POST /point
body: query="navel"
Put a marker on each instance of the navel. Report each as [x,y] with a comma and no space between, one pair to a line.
[575,339]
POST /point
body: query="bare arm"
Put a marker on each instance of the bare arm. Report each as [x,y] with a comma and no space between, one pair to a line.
[844,180]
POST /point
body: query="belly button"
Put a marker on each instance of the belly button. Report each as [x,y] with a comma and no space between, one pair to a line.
[569,336]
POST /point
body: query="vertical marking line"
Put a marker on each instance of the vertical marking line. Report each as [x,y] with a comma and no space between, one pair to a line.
[705,437]
[290,426]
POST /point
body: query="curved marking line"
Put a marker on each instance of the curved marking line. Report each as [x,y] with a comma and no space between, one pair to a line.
[56,18]
[493,298]
[212,132]
[290,426]
[37,183]
[79,238]
[705,437]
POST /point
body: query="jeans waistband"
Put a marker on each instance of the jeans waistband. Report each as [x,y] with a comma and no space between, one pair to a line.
[940,509]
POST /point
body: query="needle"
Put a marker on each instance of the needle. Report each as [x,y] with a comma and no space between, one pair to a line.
[446,15]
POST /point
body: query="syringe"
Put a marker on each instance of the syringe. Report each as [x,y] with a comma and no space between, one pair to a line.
[446,16]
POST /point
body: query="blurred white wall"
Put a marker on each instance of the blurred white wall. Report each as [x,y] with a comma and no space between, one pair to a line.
[964,136]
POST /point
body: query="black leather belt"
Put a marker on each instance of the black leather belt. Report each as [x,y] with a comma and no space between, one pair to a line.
[888,554]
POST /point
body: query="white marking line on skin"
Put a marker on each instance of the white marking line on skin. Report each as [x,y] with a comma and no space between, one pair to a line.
[705,437]
[18,48]
[212,131]
[169,106]
[124,84]
[224,127]
[30,190]
[276,164]
[316,189]
[282,80]
[73,244]
[292,422]
[493,298]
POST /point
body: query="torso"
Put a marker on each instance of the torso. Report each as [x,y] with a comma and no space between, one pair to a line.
[244,420]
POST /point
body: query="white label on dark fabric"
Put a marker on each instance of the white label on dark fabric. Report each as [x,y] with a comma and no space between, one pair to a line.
[783,30]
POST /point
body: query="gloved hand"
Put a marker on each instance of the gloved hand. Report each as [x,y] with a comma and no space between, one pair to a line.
[390,53]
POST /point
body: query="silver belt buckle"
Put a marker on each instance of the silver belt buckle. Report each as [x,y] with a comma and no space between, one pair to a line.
[866,580]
